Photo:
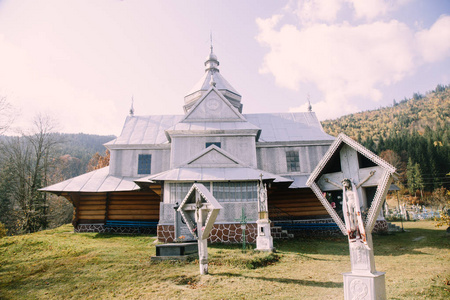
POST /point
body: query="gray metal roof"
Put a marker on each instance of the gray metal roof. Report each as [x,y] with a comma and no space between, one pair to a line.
[213,174]
[275,127]
[289,127]
[95,181]
[150,130]
[204,83]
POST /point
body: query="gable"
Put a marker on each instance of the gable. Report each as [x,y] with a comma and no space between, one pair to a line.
[213,157]
[213,107]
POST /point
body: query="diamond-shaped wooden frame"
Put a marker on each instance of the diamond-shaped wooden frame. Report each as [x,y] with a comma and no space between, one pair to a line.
[382,186]
[209,203]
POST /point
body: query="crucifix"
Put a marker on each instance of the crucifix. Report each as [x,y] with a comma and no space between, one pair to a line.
[199,209]
[350,168]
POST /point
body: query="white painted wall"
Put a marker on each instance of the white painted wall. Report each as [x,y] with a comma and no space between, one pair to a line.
[124,162]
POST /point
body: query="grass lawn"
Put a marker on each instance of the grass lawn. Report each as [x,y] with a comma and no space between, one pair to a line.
[59,264]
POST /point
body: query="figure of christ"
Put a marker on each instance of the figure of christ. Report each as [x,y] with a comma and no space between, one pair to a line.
[262,196]
[352,209]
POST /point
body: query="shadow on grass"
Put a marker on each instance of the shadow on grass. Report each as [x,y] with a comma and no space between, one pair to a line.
[325,284]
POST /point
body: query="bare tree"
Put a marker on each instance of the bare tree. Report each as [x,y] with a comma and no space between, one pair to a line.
[26,163]
[6,115]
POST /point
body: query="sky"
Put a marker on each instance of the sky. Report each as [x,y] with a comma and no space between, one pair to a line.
[82,61]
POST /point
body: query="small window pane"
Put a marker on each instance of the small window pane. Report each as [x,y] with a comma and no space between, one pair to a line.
[144,164]
[292,161]
[212,143]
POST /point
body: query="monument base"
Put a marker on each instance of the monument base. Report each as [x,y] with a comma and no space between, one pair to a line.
[364,286]
[264,240]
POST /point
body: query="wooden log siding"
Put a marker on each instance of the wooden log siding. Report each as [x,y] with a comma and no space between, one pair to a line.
[134,206]
[294,203]
[94,207]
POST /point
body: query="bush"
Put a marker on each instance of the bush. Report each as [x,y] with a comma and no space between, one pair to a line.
[3,230]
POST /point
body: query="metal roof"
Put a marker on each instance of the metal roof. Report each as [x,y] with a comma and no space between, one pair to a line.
[204,83]
[275,127]
[213,174]
[289,127]
[95,181]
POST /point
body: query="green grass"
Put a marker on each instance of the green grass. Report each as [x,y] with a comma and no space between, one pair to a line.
[58,264]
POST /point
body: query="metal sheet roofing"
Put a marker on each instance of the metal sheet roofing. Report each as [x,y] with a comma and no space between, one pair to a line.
[213,174]
[95,181]
[275,127]
[204,83]
[287,127]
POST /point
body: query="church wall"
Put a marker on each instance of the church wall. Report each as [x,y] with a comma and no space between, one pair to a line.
[241,147]
[124,162]
[273,159]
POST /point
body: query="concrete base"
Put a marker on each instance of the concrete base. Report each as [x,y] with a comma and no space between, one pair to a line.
[364,286]
[264,240]
[177,249]
[178,257]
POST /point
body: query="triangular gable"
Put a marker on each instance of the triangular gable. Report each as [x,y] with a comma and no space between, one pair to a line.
[214,107]
[213,157]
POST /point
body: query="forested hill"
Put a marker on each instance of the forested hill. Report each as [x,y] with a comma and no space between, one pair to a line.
[77,149]
[416,131]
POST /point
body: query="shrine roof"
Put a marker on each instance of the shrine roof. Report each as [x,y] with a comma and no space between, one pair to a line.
[95,181]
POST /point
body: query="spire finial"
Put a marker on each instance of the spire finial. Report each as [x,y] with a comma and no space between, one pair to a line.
[309,104]
[212,82]
[211,41]
[132,108]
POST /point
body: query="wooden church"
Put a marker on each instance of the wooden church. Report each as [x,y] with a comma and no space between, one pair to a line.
[157,158]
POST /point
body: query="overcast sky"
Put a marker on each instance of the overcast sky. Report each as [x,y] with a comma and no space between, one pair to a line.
[81,61]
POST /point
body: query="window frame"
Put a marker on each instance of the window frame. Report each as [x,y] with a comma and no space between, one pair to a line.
[293,160]
[142,165]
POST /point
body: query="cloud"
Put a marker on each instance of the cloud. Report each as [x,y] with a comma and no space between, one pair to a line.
[434,44]
[349,64]
[311,11]
[318,10]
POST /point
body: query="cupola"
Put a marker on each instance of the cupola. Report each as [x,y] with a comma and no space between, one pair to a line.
[212,75]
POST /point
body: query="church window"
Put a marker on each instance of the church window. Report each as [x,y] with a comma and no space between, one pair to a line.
[212,143]
[179,190]
[144,163]
[292,161]
[243,191]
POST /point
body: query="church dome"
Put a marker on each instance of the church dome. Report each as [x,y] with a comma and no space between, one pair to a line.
[212,74]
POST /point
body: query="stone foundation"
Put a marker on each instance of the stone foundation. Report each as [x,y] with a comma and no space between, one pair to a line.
[100,228]
[221,233]
[381,226]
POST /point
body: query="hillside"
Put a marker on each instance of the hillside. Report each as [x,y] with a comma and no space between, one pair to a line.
[58,264]
[417,130]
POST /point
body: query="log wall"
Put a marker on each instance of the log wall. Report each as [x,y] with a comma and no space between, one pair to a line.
[96,208]
[294,203]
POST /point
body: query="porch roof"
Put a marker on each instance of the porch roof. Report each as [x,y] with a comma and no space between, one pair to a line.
[95,181]
[213,174]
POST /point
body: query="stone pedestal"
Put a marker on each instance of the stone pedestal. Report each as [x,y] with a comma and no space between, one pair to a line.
[364,286]
[264,240]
